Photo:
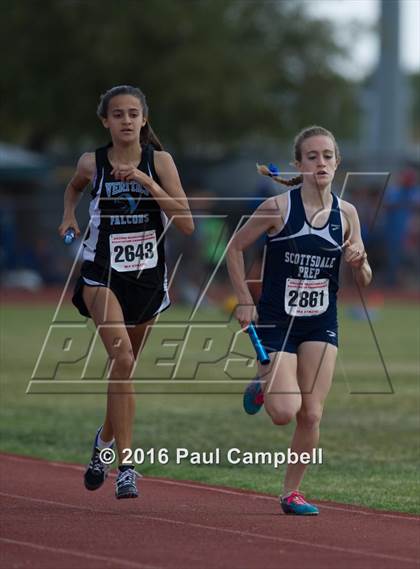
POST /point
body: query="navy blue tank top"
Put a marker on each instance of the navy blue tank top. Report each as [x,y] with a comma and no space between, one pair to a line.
[126,231]
[301,268]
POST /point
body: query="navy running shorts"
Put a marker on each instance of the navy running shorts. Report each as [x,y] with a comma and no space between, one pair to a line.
[276,339]
[139,303]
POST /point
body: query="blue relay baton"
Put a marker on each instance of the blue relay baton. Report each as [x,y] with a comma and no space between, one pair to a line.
[69,236]
[262,355]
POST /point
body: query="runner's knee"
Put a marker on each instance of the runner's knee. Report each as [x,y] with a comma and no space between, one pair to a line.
[309,418]
[281,416]
[123,364]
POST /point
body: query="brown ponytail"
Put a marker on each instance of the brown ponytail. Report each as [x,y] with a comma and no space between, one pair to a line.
[264,171]
[147,136]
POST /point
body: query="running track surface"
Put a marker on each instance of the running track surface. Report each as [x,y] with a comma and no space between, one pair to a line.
[50,521]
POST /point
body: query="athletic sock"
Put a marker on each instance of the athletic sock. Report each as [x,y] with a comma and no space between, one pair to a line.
[104,444]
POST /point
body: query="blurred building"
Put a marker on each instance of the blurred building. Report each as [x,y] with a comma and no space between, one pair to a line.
[25,260]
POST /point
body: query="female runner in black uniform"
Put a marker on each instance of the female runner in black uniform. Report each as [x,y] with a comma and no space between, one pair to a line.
[307,231]
[123,285]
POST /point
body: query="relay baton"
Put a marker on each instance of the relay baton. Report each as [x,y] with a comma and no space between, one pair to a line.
[262,355]
[69,236]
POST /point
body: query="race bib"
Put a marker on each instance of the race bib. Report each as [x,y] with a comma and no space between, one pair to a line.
[306,297]
[133,251]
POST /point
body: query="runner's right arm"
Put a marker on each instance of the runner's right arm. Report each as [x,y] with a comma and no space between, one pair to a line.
[267,218]
[84,174]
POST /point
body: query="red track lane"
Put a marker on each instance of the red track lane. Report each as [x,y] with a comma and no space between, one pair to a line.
[50,521]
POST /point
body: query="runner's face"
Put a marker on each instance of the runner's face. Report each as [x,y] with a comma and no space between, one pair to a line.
[318,162]
[125,119]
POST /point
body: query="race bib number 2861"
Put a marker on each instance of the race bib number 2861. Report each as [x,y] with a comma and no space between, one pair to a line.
[133,251]
[304,297]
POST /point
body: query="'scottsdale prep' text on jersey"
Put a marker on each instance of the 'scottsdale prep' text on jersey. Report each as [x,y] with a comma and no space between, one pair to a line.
[126,230]
[302,267]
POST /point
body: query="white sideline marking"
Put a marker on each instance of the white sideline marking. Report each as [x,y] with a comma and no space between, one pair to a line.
[199,486]
[226,530]
[115,560]
[208,488]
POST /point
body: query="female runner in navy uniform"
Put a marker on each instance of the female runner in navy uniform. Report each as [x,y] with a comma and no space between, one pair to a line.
[122,285]
[307,230]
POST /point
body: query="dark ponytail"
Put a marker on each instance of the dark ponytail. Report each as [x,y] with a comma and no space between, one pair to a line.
[147,136]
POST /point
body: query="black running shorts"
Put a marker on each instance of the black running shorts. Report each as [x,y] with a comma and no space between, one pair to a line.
[139,304]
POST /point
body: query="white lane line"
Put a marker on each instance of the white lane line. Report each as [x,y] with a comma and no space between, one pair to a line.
[115,560]
[208,488]
[294,541]
[226,530]
[131,515]
[350,510]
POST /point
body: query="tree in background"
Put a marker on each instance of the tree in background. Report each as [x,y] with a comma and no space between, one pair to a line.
[216,72]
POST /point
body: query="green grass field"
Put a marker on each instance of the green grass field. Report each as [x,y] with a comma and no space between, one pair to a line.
[369,434]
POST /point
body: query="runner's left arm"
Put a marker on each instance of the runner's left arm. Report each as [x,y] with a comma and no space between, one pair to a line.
[354,249]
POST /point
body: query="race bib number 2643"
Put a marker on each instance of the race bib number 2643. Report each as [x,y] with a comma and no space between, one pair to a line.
[133,251]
